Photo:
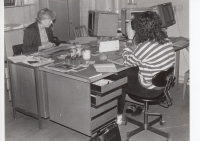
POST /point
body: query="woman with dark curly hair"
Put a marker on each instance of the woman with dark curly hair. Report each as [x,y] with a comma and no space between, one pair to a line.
[153,52]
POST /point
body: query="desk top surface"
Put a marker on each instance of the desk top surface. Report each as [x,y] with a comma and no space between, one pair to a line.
[90,69]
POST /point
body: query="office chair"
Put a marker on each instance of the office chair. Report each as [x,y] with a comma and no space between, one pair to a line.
[17,49]
[162,79]
[80,31]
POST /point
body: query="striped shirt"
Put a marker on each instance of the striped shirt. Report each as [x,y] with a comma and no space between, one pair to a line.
[151,58]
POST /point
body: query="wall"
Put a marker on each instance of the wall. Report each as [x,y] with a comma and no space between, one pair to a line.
[17,15]
[21,14]
[181,28]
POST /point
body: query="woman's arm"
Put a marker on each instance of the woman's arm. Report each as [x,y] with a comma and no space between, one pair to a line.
[129,57]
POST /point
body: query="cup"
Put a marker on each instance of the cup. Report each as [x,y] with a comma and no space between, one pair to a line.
[86,54]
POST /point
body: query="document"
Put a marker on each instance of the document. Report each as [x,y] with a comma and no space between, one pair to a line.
[110,67]
[30,60]
[37,61]
[109,46]
[19,58]
[52,50]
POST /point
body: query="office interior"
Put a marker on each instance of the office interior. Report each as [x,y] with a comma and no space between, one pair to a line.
[26,128]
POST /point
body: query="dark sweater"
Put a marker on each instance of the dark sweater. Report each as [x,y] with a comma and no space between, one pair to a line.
[32,39]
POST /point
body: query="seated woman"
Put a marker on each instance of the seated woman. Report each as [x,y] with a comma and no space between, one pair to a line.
[152,53]
[39,34]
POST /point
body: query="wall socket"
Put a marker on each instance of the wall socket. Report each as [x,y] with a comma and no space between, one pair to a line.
[178,8]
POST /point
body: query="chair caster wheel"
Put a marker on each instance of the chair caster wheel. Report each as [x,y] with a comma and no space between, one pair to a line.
[162,122]
[129,139]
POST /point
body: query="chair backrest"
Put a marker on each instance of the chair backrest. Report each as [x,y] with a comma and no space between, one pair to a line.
[161,78]
[17,49]
[80,31]
[165,79]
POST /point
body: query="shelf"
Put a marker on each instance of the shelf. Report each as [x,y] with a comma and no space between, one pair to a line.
[12,6]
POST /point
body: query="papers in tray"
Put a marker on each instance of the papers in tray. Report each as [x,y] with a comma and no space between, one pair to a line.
[102,82]
[52,50]
[19,58]
[61,67]
[30,60]
[37,61]
[64,67]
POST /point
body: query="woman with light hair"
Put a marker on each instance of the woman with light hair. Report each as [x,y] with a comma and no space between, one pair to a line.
[39,34]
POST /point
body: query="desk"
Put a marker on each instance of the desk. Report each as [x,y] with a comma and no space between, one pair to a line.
[73,104]
[70,96]
[177,50]
[28,91]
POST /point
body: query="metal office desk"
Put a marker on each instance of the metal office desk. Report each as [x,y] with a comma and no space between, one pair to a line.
[28,91]
[70,100]
[28,83]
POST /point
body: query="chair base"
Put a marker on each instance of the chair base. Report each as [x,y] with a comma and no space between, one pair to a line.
[143,127]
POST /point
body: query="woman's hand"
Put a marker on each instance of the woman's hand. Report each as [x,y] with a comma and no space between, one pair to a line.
[47,45]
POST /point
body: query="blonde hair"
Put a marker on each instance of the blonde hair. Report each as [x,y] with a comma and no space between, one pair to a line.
[44,14]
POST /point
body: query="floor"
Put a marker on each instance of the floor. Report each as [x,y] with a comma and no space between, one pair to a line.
[25,128]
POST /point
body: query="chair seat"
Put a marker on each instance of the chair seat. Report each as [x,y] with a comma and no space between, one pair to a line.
[146,99]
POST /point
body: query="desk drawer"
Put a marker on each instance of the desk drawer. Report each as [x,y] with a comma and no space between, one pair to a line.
[97,100]
[101,109]
[95,89]
[100,120]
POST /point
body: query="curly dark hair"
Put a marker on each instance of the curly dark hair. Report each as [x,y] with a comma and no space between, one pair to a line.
[148,26]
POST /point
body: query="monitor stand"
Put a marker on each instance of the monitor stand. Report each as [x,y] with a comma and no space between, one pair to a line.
[100,39]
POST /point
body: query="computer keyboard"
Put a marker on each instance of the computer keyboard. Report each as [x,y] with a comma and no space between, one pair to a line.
[180,43]
[117,60]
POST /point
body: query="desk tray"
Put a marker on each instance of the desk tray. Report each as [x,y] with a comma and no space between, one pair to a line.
[116,84]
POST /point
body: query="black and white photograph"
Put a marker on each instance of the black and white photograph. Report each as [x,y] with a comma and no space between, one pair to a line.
[99,70]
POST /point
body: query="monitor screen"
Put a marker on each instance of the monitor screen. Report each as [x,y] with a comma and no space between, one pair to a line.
[102,23]
[166,13]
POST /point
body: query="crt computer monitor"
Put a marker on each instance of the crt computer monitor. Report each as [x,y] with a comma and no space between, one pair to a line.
[102,23]
[165,11]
